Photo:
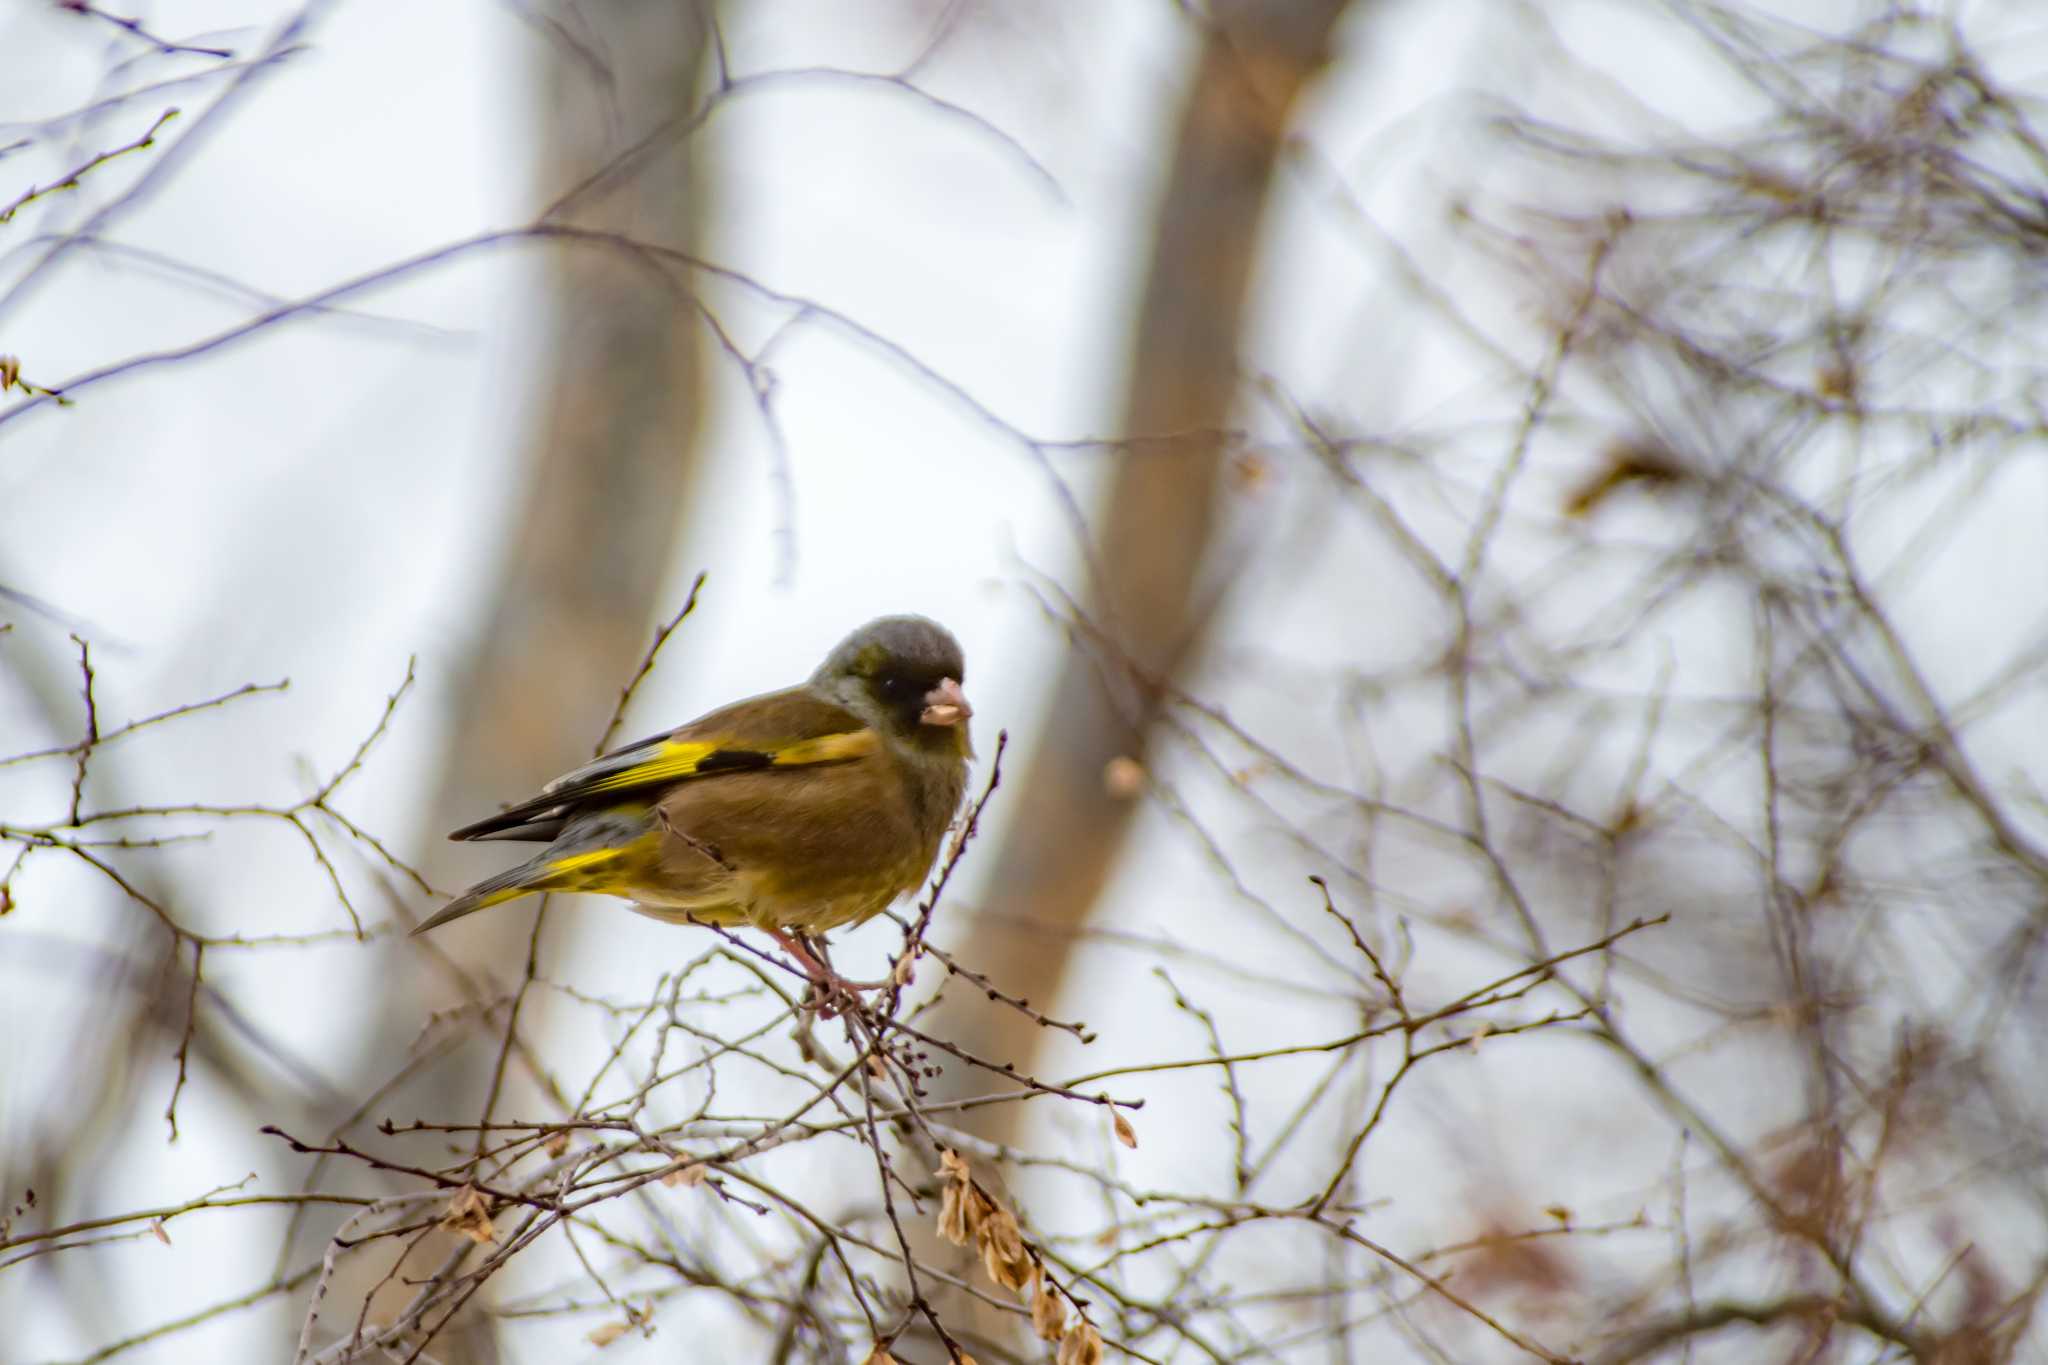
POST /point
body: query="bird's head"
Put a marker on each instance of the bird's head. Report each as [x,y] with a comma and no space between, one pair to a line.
[903,675]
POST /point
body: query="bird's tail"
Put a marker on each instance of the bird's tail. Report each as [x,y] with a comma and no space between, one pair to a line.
[599,857]
[506,886]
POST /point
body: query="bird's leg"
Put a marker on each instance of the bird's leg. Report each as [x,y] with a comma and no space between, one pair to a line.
[825,982]
[794,945]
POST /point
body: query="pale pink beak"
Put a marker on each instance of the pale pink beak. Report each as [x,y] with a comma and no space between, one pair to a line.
[945,704]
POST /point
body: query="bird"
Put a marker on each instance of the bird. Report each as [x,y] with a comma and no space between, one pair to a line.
[793,812]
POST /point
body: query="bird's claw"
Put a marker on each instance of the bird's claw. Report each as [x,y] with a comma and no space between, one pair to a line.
[829,992]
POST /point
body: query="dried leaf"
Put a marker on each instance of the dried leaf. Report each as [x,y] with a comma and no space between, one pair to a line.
[1003,1254]
[469,1213]
[1626,463]
[558,1142]
[904,972]
[156,1228]
[689,1177]
[953,1216]
[604,1334]
[1012,1273]
[879,1356]
[1083,1346]
[1560,1213]
[980,1209]
[1048,1314]
[1124,1132]
[958,1211]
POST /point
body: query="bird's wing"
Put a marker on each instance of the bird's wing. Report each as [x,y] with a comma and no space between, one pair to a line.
[790,729]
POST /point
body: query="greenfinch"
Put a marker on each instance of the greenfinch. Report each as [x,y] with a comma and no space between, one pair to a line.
[793,812]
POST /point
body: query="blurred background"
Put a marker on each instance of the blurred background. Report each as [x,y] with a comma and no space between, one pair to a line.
[1569,475]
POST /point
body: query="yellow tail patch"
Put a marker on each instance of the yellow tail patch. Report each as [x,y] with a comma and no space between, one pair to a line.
[599,869]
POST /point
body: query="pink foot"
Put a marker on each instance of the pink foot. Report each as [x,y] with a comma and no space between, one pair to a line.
[826,984]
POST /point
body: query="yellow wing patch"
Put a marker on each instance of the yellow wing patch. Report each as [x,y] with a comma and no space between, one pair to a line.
[670,761]
[829,749]
[675,760]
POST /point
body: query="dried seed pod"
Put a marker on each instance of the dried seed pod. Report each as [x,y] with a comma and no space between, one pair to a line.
[956,1201]
[1003,1254]
[1083,1346]
[469,1214]
[1048,1314]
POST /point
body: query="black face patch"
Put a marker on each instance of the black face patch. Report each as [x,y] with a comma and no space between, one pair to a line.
[897,687]
[902,689]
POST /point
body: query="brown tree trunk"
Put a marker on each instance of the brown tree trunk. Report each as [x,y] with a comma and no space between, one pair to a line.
[1065,827]
[613,452]
[614,446]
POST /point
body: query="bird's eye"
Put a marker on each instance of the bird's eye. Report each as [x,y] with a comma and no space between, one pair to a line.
[894,684]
